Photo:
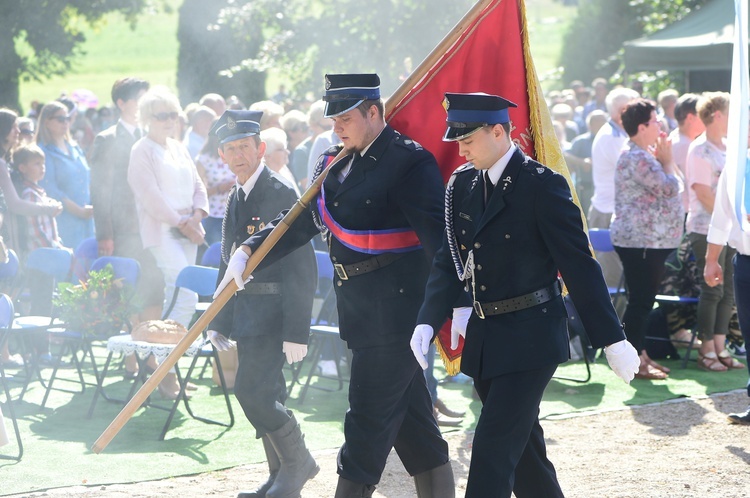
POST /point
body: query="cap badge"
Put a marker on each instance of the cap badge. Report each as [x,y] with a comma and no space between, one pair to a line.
[250,229]
[446,104]
[231,124]
[540,170]
[328,83]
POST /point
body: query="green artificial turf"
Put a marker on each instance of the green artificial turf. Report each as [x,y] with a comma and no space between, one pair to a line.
[57,440]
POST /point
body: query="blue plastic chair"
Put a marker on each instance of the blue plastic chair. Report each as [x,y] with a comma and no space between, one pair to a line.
[6,322]
[212,256]
[601,241]
[128,269]
[202,281]
[83,256]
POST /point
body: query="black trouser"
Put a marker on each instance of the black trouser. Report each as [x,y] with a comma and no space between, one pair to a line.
[508,452]
[644,270]
[259,385]
[389,408]
[742,298]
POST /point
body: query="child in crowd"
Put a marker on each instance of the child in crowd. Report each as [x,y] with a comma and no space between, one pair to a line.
[41,231]
[35,232]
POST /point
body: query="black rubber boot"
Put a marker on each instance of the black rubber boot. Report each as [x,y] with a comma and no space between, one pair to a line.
[273,466]
[350,489]
[436,483]
[297,464]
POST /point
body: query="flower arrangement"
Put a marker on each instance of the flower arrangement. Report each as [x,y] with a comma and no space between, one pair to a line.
[99,306]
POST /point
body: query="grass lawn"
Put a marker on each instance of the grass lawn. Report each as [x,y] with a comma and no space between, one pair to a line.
[150,51]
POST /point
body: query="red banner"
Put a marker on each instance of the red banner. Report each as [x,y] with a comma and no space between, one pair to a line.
[491,55]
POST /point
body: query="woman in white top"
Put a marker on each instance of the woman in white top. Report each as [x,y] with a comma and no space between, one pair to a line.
[170,197]
[705,162]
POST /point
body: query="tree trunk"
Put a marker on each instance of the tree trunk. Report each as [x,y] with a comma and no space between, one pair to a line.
[9,69]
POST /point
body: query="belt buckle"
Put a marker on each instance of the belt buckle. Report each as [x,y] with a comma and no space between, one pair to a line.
[340,271]
[478,309]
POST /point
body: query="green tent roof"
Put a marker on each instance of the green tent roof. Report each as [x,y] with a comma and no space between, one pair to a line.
[702,40]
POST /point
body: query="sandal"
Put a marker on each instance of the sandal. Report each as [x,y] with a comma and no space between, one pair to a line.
[650,373]
[711,364]
[729,361]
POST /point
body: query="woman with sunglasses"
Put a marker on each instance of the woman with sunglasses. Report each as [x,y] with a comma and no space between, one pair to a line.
[170,197]
[647,222]
[67,176]
[9,199]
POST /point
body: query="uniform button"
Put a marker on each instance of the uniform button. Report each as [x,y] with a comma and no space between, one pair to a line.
[544,310]
[463,232]
[333,258]
[368,201]
[401,291]
[482,287]
[336,204]
[479,267]
[339,283]
[507,235]
[477,245]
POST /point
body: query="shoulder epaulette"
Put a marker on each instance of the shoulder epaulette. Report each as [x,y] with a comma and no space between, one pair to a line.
[333,150]
[462,168]
[406,142]
[537,169]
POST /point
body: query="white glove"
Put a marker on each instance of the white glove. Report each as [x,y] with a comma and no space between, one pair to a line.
[220,342]
[235,268]
[420,343]
[458,325]
[623,359]
[294,352]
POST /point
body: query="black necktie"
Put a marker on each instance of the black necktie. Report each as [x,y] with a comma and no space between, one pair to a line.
[238,205]
[489,187]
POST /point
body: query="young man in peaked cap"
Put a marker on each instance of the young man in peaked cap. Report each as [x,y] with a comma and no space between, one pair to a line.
[512,226]
[381,209]
[270,317]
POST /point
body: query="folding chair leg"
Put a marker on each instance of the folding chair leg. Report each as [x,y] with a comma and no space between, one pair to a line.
[12,415]
[588,372]
[693,336]
[225,392]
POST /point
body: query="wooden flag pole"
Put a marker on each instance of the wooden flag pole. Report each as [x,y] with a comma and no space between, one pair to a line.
[439,50]
[302,204]
[205,319]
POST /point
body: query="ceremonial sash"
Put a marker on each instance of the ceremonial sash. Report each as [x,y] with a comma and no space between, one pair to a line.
[369,241]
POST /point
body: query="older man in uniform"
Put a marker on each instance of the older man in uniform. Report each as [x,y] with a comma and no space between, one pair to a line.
[381,206]
[270,318]
[512,226]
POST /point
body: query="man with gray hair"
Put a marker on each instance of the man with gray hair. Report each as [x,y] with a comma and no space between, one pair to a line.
[605,152]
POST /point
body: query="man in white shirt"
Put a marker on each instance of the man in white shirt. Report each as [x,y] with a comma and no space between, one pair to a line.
[605,152]
[689,126]
[725,228]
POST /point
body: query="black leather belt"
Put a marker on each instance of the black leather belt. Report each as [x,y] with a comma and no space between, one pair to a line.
[262,288]
[518,303]
[366,266]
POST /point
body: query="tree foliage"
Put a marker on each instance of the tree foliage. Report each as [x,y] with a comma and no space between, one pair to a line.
[40,38]
[303,40]
[592,47]
[209,43]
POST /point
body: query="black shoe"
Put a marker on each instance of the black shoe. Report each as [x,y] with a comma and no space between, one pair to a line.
[447,411]
[740,418]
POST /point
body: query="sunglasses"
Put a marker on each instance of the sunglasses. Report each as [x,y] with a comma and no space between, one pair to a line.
[163,116]
[61,119]
[26,132]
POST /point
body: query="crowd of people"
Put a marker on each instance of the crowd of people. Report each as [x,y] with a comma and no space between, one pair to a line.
[647,169]
[158,182]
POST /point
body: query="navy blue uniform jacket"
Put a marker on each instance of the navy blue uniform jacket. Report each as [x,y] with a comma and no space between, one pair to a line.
[396,184]
[530,230]
[286,314]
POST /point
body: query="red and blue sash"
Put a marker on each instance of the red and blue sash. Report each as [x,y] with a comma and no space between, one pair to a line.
[368,241]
